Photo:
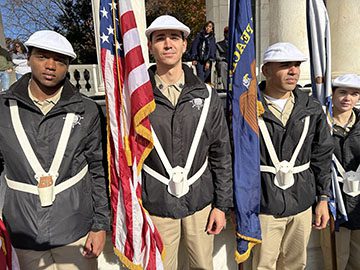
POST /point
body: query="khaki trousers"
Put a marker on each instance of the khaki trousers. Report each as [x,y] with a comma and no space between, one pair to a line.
[347,249]
[67,257]
[284,242]
[192,230]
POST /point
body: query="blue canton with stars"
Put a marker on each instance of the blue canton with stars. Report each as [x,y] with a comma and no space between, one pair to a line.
[108,12]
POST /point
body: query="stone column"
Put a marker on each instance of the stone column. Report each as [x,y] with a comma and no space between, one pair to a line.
[345,36]
[262,33]
[218,12]
[286,22]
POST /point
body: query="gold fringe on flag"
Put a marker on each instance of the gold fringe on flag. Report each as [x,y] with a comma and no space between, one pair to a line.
[239,258]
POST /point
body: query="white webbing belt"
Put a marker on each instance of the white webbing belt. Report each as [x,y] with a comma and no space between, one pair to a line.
[32,159]
[351,179]
[297,169]
[194,145]
[57,189]
[166,181]
[285,167]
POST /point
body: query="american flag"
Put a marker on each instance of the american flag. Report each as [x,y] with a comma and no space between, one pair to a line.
[130,100]
[8,258]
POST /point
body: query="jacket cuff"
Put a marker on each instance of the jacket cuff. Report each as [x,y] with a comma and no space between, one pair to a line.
[323,198]
[100,227]
[226,210]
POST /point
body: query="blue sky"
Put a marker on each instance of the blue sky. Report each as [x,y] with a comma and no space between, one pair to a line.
[44,10]
[6,32]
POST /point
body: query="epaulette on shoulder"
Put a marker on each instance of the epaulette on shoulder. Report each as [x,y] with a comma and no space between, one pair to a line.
[306,89]
[85,96]
[92,99]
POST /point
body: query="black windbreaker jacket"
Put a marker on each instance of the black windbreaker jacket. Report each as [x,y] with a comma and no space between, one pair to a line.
[347,151]
[75,211]
[175,128]
[317,148]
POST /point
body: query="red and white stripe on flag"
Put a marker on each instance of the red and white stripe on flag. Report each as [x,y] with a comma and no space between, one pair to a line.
[130,100]
[8,258]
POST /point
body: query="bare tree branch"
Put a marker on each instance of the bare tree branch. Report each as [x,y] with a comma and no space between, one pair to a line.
[23,17]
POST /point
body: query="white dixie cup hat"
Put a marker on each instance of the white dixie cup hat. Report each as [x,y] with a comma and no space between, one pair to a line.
[347,81]
[167,22]
[283,52]
[51,41]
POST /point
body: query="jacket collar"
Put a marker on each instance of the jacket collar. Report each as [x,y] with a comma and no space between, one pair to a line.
[192,83]
[302,106]
[357,113]
[70,100]
[354,130]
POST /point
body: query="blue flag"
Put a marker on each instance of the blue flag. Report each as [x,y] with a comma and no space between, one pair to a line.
[243,90]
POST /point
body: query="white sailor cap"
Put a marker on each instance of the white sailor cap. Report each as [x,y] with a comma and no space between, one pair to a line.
[167,22]
[347,81]
[51,41]
[283,52]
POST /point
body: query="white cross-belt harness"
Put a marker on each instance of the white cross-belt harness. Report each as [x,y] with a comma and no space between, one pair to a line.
[350,179]
[284,171]
[46,194]
[178,183]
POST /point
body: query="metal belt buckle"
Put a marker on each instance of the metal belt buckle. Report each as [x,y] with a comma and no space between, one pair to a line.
[284,177]
[352,181]
[178,185]
[46,190]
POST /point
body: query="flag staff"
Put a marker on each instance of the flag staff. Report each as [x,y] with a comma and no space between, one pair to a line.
[243,91]
[333,243]
[318,26]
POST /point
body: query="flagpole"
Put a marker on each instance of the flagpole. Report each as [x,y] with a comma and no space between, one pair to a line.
[319,37]
[333,243]
[246,151]
[130,100]
[332,226]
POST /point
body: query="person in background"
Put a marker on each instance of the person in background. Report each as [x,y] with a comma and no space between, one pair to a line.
[56,207]
[5,68]
[203,51]
[346,137]
[222,55]
[187,177]
[19,58]
[295,157]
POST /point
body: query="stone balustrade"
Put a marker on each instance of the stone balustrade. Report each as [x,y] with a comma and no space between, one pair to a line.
[86,78]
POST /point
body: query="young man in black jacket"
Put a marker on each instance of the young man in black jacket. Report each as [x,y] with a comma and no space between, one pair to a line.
[56,205]
[187,178]
[296,148]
